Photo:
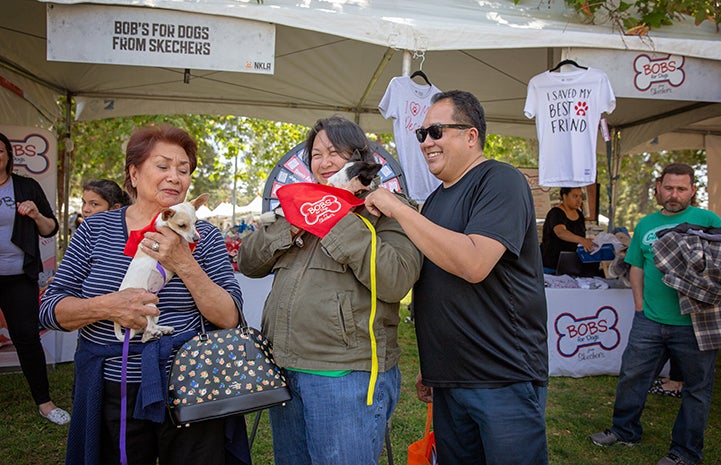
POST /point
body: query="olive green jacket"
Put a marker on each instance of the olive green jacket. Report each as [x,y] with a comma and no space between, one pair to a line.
[319,306]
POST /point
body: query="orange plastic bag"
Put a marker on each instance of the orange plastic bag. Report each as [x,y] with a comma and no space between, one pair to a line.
[423,451]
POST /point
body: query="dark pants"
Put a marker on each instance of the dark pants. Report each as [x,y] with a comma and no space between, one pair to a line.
[19,303]
[146,442]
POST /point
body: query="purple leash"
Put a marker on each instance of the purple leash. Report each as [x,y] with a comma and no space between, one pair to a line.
[124,399]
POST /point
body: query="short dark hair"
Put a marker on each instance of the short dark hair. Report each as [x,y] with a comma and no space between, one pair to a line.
[345,135]
[109,191]
[9,148]
[678,169]
[466,110]
[144,139]
[567,190]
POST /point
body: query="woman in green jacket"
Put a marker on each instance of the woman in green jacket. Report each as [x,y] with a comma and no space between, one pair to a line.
[318,312]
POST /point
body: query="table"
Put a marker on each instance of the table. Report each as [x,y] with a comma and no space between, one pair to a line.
[587,330]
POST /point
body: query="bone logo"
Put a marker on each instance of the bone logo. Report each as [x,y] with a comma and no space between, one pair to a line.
[32,153]
[650,71]
[576,333]
[321,210]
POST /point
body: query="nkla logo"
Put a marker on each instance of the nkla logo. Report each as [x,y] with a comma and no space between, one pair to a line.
[321,210]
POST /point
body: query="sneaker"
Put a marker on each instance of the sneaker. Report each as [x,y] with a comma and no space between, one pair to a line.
[608,438]
[658,389]
[57,416]
[672,459]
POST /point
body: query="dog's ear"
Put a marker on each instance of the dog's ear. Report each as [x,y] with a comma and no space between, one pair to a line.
[167,213]
[200,200]
[367,172]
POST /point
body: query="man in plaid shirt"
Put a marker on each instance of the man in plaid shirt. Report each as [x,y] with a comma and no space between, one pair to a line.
[661,330]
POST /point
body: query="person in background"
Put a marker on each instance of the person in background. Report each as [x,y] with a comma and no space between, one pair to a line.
[660,329]
[100,195]
[317,317]
[84,295]
[564,228]
[480,304]
[25,215]
[672,384]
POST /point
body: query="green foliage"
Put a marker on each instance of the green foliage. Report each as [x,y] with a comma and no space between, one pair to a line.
[647,13]
[516,151]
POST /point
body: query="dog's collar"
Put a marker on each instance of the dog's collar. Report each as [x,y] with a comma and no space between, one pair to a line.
[134,238]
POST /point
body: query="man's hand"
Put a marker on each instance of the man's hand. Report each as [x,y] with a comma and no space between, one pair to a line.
[383,202]
[425,393]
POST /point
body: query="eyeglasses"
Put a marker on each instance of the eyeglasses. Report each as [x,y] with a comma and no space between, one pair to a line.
[436,130]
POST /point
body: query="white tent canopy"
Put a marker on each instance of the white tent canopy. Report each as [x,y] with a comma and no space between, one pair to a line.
[339,56]
[203,212]
[223,209]
[255,206]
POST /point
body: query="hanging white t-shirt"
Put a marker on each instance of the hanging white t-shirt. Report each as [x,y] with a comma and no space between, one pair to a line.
[407,103]
[568,108]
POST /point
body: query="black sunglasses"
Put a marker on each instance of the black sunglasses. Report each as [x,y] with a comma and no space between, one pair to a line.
[436,130]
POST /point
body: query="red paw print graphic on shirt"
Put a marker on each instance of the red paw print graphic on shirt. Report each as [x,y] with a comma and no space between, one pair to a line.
[581,108]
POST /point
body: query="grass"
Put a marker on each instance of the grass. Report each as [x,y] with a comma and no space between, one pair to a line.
[576,408]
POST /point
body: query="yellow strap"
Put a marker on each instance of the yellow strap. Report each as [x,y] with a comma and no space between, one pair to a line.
[374,348]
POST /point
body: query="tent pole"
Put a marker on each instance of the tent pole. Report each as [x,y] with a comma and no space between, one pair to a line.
[406,67]
[372,83]
[65,239]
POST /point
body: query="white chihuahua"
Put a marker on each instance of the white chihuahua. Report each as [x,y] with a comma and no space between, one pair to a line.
[147,273]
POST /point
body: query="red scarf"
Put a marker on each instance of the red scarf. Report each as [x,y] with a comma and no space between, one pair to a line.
[134,238]
[316,208]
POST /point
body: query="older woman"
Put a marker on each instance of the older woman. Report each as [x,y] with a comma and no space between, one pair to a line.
[564,228]
[317,316]
[84,295]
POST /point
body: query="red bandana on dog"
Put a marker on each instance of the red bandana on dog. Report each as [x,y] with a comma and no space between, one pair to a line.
[134,238]
[315,208]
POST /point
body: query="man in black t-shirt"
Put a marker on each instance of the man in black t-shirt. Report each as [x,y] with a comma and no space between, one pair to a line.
[479,303]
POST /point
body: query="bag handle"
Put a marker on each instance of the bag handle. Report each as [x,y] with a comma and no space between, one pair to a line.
[429,419]
[203,334]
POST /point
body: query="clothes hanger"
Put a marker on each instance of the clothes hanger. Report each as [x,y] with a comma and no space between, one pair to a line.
[566,62]
[420,72]
[422,75]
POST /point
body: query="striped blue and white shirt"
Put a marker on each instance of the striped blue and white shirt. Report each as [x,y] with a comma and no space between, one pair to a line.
[94,265]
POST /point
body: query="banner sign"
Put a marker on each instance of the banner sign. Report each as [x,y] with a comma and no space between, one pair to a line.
[35,156]
[587,330]
[650,75]
[155,37]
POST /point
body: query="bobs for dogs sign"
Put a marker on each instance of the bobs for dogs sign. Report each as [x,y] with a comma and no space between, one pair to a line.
[315,208]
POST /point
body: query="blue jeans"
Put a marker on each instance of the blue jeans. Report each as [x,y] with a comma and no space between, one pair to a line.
[498,426]
[327,422]
[650,344]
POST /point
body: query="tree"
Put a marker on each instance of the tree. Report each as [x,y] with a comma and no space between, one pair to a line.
[640,16]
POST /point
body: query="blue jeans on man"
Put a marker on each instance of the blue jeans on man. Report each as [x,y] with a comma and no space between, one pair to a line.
[478,426]
[327,421]
[649,345]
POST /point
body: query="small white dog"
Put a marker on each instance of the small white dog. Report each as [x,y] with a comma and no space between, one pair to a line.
[147,273]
